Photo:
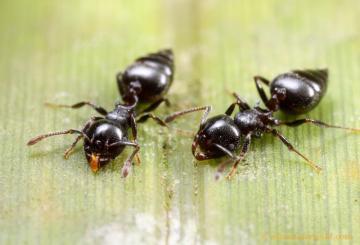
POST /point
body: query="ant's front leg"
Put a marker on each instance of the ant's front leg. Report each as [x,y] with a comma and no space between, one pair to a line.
[78,105]
[128,163]
[244,151]
[222,165]
[133,126]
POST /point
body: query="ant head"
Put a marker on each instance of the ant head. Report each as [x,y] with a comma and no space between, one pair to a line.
[102,143]
[218,130]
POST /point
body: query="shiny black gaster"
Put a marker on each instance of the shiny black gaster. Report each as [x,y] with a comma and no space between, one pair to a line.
[148,78]
[296,92]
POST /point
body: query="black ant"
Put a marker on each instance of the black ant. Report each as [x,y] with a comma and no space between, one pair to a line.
[218,136]
[146,80]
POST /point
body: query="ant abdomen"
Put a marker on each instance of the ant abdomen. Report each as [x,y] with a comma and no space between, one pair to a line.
[304,90]
[148,78]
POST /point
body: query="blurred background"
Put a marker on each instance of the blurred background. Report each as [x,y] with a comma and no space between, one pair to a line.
[68,51]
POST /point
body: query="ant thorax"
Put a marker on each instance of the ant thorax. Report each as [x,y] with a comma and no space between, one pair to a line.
[253,120]
[120,116]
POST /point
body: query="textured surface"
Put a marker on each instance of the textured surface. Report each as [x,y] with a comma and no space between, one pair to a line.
[58,52]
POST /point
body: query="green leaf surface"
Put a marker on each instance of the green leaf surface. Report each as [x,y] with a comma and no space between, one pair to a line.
[68,51]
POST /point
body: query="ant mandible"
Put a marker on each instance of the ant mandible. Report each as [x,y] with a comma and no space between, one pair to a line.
[295,92]
[146,80]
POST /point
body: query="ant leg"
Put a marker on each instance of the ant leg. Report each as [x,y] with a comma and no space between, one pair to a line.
[273,103]
[119,80]
[315,122]
[133,126]
[260,89]
[291,148]
[134,134]
[230,109]
[35,140]
[201,156]
[128,163]
[222,166]
[244,150]
[78,105]
[146,116]
[177,114]
[71,148]
[242,105]
[155,105]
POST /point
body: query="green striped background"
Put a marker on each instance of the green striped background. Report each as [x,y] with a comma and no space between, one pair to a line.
[67,51]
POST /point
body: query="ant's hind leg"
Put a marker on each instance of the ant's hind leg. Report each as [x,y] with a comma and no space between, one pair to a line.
[299,122]
[78,105]
[291,148]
